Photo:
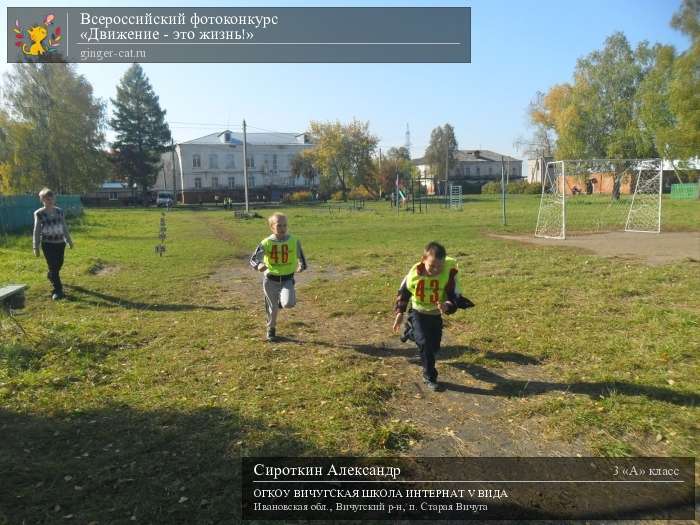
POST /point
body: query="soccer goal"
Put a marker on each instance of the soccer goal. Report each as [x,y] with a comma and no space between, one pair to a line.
[600,195]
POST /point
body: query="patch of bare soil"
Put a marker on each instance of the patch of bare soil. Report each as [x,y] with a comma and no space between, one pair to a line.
[653,248]
[103,269]
[469,418]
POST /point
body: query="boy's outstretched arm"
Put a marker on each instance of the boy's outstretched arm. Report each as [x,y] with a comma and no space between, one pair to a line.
[454,297]
[256,260]
[36,235]
[401,304]
[302,259]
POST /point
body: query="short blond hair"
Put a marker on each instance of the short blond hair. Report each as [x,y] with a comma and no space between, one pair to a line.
[45,192]
[275,217]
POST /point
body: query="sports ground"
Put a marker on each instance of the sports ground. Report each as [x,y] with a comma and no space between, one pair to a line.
[138,395]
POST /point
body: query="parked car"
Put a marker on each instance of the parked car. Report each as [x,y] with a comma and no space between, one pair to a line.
[165,198]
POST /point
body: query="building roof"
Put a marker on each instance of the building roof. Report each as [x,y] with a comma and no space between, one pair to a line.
[259,139]
[474,155]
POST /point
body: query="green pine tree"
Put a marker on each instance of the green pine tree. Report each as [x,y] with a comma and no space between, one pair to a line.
[141,131]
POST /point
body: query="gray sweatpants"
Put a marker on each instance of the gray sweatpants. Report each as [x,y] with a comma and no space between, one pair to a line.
[276,294]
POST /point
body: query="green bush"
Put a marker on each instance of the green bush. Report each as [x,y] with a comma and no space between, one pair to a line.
[491,187]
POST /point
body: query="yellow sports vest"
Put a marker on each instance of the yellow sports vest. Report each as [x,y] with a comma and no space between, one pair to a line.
[428,290]
[280,256]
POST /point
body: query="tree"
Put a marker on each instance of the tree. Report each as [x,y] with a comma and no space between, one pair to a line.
[684,87]
[141,131]
[303,165]
[541,142]
[397,161]
[342,154]
[598,115]
[53,130]
[442,143]
[653,100]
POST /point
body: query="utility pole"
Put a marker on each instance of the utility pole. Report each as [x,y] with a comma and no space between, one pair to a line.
[503,189]
[245,167]
[172,161]
[447,172]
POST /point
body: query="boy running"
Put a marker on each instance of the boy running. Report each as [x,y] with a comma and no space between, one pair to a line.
[432,288]
[279,256]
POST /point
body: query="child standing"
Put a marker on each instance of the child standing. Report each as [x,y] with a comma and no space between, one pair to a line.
[431,287]
[51,233]
[279,256]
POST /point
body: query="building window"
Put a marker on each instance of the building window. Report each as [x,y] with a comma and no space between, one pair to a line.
[478,170]
[196,161]
[490,170]
[274,162]
[227,136]
[468,170]
[251,161]
[231,182]
[230,162]
[213,161]
[252,181]
[215,182]
[512,171]
[113,195]
[197,183]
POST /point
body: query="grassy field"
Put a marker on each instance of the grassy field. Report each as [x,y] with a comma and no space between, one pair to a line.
[133,399]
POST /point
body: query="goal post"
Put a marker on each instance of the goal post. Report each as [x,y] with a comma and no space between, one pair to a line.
[644,215]
[551,217]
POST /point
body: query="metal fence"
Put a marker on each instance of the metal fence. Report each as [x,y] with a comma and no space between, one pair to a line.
[685,191]
[17,211]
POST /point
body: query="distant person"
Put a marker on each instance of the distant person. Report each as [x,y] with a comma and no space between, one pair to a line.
[279,256]
[431,288]
[51,233]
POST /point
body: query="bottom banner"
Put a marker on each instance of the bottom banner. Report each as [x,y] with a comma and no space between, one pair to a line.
[461,488]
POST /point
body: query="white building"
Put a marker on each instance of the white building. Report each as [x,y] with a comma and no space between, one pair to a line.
[474,168]
[210,168]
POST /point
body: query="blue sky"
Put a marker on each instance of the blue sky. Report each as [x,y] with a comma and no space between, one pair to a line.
[518,48]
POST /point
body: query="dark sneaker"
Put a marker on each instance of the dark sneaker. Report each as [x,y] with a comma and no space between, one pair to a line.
[271,336]
[57,296]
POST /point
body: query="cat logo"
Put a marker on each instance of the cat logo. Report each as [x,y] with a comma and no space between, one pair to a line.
[37,36]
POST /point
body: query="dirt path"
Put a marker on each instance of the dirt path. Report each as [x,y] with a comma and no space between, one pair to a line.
[653,248]
[468,418]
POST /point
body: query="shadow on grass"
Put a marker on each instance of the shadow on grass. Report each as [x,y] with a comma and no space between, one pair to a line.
[110,464]
[518,388]
[446,352]
[106,300]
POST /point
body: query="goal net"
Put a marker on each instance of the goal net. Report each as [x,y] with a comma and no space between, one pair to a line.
[600,195]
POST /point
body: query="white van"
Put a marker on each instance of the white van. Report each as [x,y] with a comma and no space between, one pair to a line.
[165,198]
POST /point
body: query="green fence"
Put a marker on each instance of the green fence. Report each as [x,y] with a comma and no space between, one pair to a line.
[17,211]
[685,191]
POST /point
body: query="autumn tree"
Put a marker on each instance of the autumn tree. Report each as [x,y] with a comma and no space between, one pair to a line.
[52,130]
[342,154]
[396,162]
